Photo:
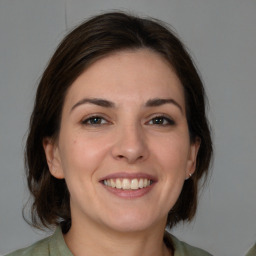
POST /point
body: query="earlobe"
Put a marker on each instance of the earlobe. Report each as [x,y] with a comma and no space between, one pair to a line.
[53,158]
[194,148]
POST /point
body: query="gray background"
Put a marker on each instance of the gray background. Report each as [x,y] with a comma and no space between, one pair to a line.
[221,35]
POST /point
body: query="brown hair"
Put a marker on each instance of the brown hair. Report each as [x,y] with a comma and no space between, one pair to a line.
[92,40]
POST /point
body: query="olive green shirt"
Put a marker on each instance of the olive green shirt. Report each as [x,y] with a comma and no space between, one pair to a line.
[252,251]
[56,246]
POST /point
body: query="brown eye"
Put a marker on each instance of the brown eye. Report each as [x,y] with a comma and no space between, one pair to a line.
[94,120]
[161,120]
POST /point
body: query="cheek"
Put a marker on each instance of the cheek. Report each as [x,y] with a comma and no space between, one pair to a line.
[81,155]
[173,153]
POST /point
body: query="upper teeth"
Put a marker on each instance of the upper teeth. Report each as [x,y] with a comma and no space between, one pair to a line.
[128,183]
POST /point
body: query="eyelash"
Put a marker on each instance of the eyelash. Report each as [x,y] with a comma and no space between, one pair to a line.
[88,121]
[164,121]
[97,120]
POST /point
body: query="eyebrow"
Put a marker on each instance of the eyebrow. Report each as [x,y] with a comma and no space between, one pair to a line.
[159,102]
[95,101]
[109,104]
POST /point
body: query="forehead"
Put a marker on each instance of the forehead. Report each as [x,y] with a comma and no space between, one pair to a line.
[136,74]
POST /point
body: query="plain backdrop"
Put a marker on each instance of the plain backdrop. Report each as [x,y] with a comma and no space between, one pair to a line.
[221,36]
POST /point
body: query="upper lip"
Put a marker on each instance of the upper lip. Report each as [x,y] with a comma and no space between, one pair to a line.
[129,175]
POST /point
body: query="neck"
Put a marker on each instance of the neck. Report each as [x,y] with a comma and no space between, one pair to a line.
[94,240]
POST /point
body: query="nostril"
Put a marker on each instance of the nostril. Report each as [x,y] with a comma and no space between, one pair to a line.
[129,158]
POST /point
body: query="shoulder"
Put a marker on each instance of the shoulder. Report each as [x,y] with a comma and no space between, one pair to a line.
[53,245]
[39,248]
[252,251]
[184,249]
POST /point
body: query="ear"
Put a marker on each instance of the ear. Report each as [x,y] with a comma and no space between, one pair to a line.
[191,165]
[53,158]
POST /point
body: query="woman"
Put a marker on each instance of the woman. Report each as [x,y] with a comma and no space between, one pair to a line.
[118,141]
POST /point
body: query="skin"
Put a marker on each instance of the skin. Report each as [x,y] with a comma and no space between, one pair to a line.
[129,138]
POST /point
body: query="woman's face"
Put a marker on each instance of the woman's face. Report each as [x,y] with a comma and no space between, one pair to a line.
[123,147]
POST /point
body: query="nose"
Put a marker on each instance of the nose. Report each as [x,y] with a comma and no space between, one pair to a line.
[130,145]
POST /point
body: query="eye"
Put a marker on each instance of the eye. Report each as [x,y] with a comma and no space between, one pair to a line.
[94,121]
[161,120]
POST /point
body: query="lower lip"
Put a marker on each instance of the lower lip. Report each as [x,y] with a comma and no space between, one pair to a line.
[129,193]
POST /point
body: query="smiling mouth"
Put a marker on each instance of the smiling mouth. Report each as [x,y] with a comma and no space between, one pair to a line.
[128,184]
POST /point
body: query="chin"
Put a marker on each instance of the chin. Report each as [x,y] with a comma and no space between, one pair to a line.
[132,223]
[128,227]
